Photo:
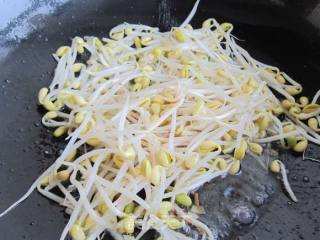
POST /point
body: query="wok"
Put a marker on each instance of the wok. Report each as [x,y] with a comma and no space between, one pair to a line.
[278,32]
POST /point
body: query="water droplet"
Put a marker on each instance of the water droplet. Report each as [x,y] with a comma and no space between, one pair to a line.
[36,124]
[46,39]
[294,178]
[258,200]
[243,215]
[7,81]
[306,179]
[32,223]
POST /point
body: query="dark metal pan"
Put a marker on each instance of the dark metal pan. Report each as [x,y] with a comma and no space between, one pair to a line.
[278,32]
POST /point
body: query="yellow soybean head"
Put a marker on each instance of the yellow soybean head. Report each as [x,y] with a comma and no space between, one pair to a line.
[58,104]
[79,100]
[183,200]
[163,211]
[128,152]
[145,40]
[128,31]
[94,142]
[61,51]
[280,79]
[313,123]
[208,146]
[277,111]
[89,125]
[63,175]
[137,87]
[43,92]
[294,110]
[179,35]
[155,108]
[80,49]
[51,115]
[189,27]
[137,42]
[232,133]
[44,182]
[145,82]
[201,171]
[184,72]
[102,208]
[292,90]
[256,148]
[227,137]
[146,168]
[174,223]
[117,36]
[155,175]
[76,67]
[76,85]
[80,117]
[310,108]
[208,23]
[304,101]
[164,158]
[157,52]
[301,146]
[220,164]
[291,141]
[129,208]
[49,105]
[166,205]
[288,128]
[191,160]
[71,156]
[275,166]
[222,73]
[235,167]
[147,69]
[97,42]
[118,160]
[263,121]
[286,103]
[76,232]
[240,151]
[226,26]
[128,224]
[60,131]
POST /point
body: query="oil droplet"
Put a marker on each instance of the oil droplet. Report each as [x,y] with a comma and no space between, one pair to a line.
[306,179]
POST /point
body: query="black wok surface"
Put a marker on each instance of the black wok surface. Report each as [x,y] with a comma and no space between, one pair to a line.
[279,32]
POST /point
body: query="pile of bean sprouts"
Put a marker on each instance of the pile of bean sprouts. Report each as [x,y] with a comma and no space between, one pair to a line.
[151,116]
